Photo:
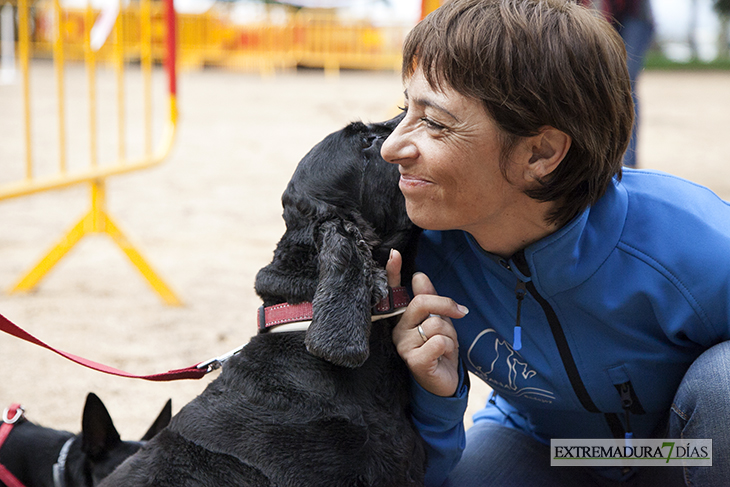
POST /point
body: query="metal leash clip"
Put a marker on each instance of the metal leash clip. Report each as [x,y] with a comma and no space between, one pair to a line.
[216,363]
[18,414]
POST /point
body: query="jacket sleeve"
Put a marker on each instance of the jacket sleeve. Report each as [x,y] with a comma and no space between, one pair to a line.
[440,421]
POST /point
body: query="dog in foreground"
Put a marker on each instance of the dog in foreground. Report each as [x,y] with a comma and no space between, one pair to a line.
[43,457]
[324,407]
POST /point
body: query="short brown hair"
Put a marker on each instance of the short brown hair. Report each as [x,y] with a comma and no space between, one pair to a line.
[536,63]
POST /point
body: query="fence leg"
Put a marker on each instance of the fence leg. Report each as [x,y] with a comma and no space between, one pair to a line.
[31,279]
[97,220]
[140,263]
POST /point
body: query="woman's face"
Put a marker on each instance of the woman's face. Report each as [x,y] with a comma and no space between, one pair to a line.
[448,150]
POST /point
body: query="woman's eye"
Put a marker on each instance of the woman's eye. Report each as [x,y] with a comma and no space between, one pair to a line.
[402,109]
[432,124]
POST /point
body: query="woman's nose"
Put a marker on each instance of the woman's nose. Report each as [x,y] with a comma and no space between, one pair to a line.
[398,148]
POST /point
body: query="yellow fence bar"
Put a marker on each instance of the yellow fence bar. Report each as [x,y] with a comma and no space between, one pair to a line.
[24,51]
[97,220]
[58,60]
[119,66]
[145,32]
[90,58]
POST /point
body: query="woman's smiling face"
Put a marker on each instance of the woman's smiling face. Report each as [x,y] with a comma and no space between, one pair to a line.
[448,149]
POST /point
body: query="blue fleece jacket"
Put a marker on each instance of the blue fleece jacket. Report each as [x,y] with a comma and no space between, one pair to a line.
[617,304]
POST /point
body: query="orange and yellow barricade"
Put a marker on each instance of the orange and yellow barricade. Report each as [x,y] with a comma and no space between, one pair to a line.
[283,37]
[97,219]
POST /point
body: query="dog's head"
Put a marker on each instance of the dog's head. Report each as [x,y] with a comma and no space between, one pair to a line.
[101,449]
[343,212]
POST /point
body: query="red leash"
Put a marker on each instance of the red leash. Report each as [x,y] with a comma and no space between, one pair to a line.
[192,372]
[10,417]
[273,315]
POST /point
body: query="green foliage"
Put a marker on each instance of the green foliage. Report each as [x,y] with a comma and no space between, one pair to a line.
[655,60]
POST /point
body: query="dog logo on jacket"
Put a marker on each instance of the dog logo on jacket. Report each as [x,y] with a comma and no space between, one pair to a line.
[508,372]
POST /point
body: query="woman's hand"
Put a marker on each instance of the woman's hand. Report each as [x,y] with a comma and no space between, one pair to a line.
[425,337]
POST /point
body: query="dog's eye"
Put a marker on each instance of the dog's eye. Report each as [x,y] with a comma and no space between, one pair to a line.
[369,141]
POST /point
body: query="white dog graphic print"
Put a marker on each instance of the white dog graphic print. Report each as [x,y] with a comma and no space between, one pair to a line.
[508,373]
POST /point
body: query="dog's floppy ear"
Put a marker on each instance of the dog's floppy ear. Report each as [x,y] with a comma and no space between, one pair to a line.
[160,423]
[349,284]
[292,274]
[98,432]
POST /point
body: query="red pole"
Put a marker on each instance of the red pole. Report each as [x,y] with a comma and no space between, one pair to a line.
[170,60]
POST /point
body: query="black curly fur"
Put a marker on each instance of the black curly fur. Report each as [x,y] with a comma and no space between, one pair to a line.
[325,409]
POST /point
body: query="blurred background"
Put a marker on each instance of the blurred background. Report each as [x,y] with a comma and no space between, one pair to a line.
[143,155]
[270,34]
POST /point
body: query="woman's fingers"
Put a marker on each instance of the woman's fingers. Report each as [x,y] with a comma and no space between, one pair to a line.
[393,267]
[426,338]
[429,310]
[420,332]
[422,284]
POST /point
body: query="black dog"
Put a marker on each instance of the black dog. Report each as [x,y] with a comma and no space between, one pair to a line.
[32,452]
[329,407]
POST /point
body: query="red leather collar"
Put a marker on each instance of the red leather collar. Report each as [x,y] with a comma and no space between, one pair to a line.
[280,314]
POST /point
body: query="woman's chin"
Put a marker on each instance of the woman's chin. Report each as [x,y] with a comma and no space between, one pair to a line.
[427,218]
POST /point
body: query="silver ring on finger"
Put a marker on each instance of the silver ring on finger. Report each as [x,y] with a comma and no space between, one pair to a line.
[422,333]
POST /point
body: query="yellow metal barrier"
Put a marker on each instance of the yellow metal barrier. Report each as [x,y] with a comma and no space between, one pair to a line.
[97,220]
[322,39]
[307,37]
[291,37]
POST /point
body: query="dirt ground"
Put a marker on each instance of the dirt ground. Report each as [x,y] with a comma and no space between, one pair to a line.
[209,217]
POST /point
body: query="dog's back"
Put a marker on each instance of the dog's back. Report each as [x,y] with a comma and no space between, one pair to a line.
[278,415]
[31,452]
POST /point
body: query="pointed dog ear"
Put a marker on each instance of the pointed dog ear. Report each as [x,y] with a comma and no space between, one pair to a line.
[349,283]
[160,423]
[98,433]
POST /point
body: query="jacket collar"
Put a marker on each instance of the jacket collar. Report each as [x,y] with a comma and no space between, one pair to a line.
[570,256]
[567,258]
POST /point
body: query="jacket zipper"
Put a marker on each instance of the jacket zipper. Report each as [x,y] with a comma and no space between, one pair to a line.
[626,403]
[630,404]
[520,291]
[561,341]
[629,401]
[564,350]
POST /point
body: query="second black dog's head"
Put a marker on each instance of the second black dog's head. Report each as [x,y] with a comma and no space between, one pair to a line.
[99,449]
[343,212]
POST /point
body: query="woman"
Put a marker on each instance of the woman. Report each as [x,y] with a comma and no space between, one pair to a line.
[596,304]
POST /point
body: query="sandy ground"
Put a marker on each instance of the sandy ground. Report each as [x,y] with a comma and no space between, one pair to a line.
[209,217]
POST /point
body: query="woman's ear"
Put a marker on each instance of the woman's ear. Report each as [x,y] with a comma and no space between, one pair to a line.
[547,149]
